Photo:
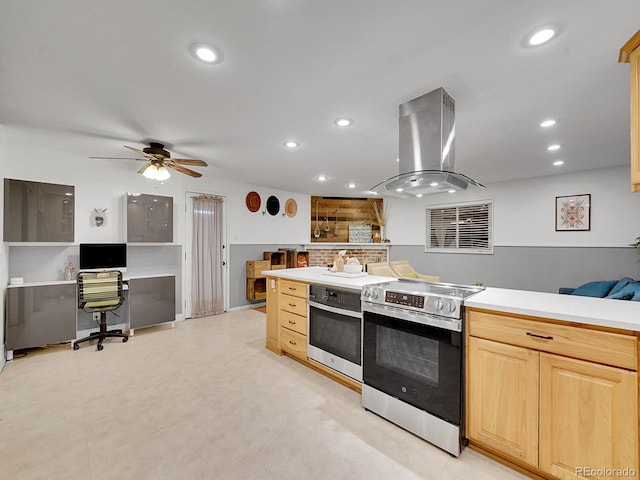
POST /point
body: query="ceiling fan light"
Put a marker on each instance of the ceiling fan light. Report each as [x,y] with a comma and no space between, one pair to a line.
[163,174]
[151,172]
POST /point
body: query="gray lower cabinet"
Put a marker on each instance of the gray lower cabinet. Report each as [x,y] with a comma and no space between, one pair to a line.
[40,315]
[152,301]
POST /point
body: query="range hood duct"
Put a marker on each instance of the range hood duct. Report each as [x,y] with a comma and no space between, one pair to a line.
[427,149]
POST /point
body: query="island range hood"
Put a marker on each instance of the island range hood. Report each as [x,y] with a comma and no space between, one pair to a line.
[427,149]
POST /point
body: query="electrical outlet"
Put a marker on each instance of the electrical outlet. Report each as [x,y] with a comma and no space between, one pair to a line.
[96,316]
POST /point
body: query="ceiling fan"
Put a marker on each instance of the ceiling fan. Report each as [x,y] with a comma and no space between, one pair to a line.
[158,160]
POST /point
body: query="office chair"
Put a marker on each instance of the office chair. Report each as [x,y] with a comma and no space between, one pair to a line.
[100,292]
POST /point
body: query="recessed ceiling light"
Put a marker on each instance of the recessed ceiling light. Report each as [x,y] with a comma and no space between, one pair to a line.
[451,191]
[541,36]
[397,159]
[548,123]
[291,144]
[433,184]
[352,185]
[557,163]
[206,53]
[371,192]
[343,122]
[399,189]
[419,195]
[322,178]
[553,147]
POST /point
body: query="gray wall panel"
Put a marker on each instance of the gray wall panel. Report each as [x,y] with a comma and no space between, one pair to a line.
[541,269]
[238,255]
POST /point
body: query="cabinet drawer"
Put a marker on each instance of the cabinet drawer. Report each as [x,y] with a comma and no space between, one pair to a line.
[593,345]
[293,342]
[293,288]
[293,322]
[295,305]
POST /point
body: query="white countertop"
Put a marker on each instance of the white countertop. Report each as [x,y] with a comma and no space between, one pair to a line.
[317,275]
[623,314]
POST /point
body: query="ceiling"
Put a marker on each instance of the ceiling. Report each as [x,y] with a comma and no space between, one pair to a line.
[119,72]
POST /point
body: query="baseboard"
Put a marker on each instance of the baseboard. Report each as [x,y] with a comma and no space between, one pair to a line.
[247,307]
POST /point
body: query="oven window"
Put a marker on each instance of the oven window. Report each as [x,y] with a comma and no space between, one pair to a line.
[337,334]
[418,364]
[408,354]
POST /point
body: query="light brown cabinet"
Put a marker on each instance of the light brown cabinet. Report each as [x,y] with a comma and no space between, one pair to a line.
[588,417]
[292,318]
[630,53]
[272,315]
[503,398]
[553,398]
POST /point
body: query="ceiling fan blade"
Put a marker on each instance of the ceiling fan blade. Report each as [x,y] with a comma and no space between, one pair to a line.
[180,169]
[186,161]
[142,170]
[144,154]
[121,158]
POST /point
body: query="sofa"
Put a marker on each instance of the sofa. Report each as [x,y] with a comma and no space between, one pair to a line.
[624,289]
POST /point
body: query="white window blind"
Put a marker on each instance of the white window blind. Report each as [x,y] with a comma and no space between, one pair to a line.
[460,228]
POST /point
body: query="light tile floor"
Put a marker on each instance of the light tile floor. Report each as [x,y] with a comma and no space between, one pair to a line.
[203,400]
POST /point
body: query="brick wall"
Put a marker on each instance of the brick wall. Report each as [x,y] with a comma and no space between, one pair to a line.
[324,257]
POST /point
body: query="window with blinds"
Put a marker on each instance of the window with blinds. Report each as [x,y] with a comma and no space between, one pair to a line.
[460,228]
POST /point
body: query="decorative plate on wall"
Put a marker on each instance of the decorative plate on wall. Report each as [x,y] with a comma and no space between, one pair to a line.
[253,201]
[273,205]
[291,208]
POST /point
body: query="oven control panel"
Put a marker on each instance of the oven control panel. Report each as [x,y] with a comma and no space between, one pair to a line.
[400,298]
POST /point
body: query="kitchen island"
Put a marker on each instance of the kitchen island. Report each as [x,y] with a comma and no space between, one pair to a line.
[287,311]
[552,383]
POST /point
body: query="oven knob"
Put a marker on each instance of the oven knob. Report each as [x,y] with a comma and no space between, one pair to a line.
[374,294]
[365,292]
[438,304]
[451,307]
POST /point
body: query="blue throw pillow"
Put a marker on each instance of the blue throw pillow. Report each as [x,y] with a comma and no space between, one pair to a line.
[627,293]
[636,297]
[594,289]
[623,282]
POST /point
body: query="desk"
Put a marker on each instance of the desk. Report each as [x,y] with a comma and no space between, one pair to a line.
[46,313]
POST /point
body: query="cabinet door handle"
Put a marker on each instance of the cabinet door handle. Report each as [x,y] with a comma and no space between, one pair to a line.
[293,289]
[292,304]
[292,323]
[292,342]
[545,337]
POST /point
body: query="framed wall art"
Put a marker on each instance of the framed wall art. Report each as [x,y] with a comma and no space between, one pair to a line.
[573,213]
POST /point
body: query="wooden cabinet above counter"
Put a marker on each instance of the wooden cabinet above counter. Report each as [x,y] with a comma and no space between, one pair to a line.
[630,53]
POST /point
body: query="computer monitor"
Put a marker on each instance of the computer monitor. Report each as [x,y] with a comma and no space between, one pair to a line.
[103,256]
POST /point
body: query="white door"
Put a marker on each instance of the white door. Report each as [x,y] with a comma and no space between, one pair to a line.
[188,251]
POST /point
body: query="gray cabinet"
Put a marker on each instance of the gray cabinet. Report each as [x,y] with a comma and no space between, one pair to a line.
[40,315]
[149,218]
[38,212]
[152,301]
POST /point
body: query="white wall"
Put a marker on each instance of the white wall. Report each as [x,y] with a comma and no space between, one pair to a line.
[55,158]
[524,211]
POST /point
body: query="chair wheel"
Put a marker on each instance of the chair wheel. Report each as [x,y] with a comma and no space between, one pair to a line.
[124,339]
[100,347]
[76,346]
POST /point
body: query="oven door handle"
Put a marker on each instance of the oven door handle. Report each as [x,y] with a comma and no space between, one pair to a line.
[337,311]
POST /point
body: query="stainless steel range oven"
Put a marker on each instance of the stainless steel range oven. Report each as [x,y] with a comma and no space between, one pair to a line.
[412,357]
[335,329]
